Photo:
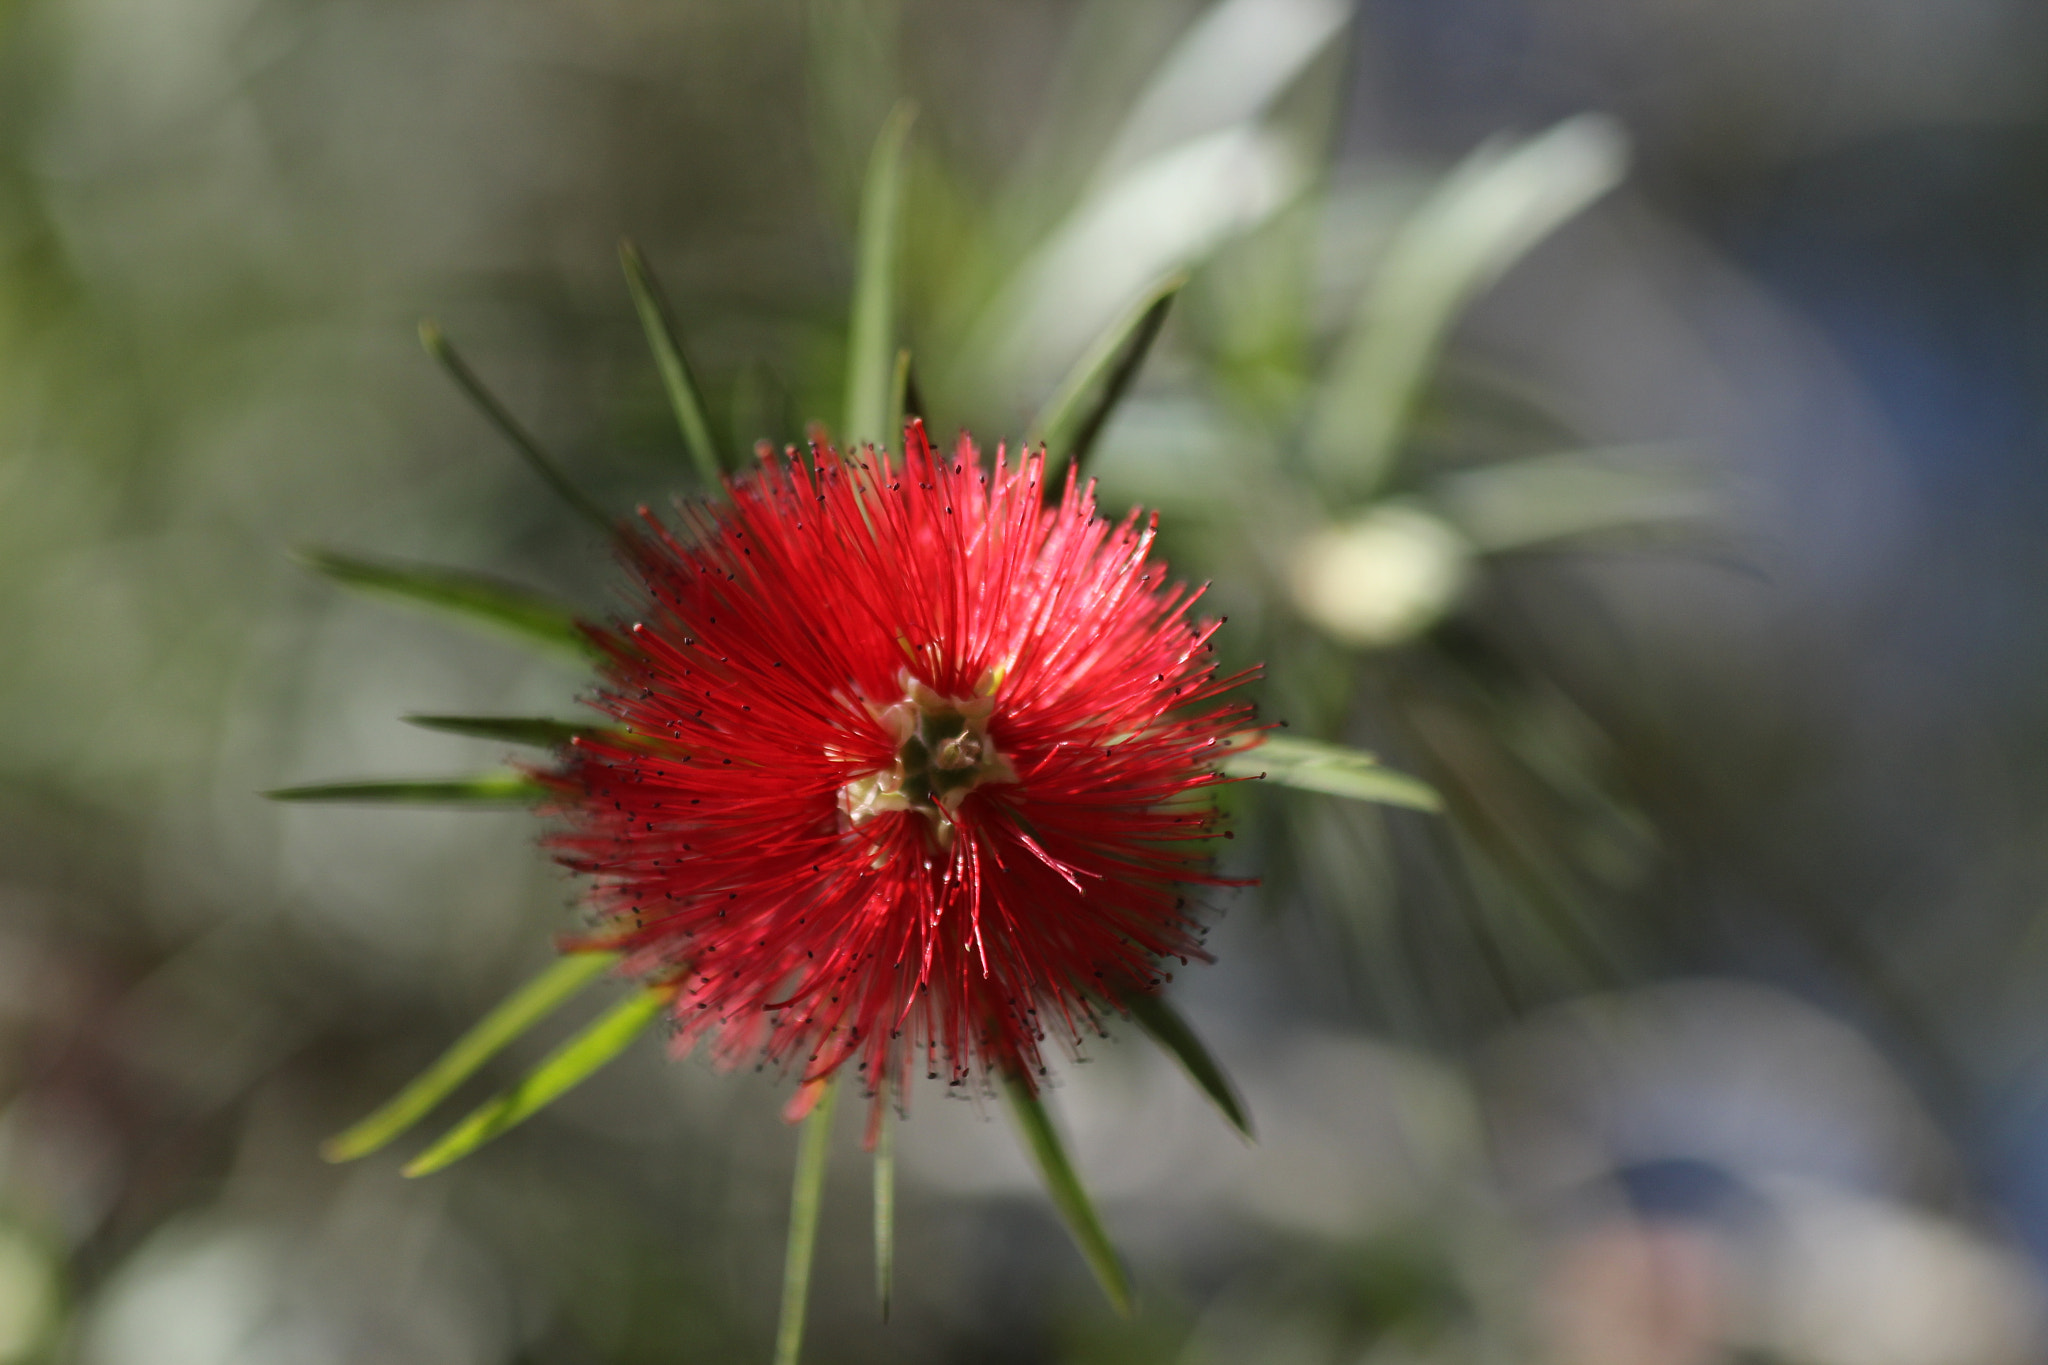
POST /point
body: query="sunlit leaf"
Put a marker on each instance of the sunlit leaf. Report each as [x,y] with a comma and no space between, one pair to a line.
[537,731]
[1081,406]
[489,1036]
[1496,205]
[656,321]
[1162,215]
[807,1193]
[885,1213]
[477,598]
[1227,68]
[871,336]
[1164,1023]
[505,787]
[560,1071]
[1069,1196]
[509,427]
[1332,769]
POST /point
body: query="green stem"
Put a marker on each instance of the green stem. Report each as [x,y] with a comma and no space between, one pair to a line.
[806,1194]
[885,1214]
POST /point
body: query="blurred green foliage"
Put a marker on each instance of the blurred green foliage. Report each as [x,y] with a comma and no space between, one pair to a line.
[219,223]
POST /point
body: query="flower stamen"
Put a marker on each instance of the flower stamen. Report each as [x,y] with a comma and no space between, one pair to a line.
[943,752]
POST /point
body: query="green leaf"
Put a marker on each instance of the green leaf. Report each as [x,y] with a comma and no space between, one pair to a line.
[537,731]
[1168,1029]
[885,1212]
[477,598]
[505,787]
[1069,1196]
[1130,230]
[1080,407]
[1331,769]
[1228,66]
[560,1071]
[508,426]
[488,1037]
[807,1193]
[656,321]
[1497,204]
[903,399]
[871,334]
[1570,494]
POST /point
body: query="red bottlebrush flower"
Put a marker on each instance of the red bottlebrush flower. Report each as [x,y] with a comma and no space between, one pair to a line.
[910,765]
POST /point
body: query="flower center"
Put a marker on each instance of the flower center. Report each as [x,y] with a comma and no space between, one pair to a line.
[943,752]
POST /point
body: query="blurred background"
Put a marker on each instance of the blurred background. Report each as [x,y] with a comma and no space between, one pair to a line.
[1628,417]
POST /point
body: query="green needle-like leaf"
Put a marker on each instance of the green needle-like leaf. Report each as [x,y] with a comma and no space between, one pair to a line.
[508,426]
[807,1193]
[490,1035]
[1168,1029]
[885,1213]
[1331,769]
[871,335]
[902,390]
[537,731]
[655,319]
[477,598]
[560,1071]
[505,787]
[1069,1196]
[1497,204]
[1080,407]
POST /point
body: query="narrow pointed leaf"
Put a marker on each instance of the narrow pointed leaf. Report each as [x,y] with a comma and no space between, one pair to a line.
[871,335]
[1331,769]
[1545,499]
[477,598]
[901,388]
[506,787]
[538,731]
[536,457]
[1080,407]
[488,1037]
[560,1071]
[1497,204]
[1069,1196]
[1168,1029]
[807,1193]
[656,321]
[885,1214]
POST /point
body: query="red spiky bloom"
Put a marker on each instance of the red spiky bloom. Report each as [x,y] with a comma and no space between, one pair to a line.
[910,766]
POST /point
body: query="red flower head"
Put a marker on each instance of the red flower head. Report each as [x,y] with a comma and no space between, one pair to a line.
[909,763]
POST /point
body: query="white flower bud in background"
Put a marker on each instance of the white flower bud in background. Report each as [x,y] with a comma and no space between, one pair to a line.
[1381,578]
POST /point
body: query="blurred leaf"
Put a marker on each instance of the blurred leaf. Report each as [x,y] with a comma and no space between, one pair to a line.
[1162,215]
[1332,769]
[1574,493]
[1497,204]
[1168,1029]
[474,596]
[807,1192]
[904,402]
[1228,67]
[1069,422]
[655,320]
[488,1037]
[871,332]
[560,1071]
[507,786]
[508,426]
[534,730]
[885,1212]
[1069,1196]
